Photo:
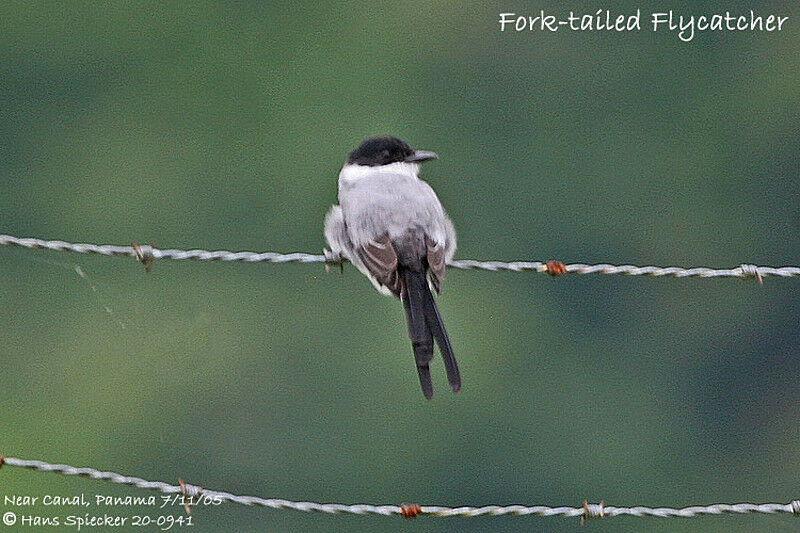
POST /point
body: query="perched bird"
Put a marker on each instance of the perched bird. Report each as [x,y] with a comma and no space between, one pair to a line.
[392,227]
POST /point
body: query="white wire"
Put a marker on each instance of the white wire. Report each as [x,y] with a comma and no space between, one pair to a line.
[147,254]
[599,510]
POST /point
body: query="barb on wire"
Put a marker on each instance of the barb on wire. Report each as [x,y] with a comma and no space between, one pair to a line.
[587,511]
[147,254]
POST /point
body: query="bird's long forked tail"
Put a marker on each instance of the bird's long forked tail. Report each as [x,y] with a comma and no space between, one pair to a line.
[424,326]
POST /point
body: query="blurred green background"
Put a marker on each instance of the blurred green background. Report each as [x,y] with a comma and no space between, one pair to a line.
[223,125]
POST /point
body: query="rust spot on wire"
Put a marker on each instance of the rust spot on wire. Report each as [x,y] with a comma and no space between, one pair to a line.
[751,271]
[191,493]
[410,510]
[144,254]
[592,510]
[555,268]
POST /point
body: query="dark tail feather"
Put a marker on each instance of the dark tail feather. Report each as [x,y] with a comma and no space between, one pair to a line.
[421,336]
[436,325]
[424,325]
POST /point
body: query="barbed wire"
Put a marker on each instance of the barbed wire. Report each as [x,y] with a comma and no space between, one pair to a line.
[587,511]
[147,254]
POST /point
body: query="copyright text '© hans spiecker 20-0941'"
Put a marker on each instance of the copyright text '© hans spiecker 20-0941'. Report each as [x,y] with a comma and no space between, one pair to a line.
[684,25]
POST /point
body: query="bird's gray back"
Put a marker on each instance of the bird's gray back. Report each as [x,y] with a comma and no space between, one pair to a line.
[402,206]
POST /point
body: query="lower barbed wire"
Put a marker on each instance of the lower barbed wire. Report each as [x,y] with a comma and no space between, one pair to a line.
[585,512]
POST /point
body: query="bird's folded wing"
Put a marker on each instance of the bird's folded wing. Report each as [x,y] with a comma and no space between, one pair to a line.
[436,263]
[380,259]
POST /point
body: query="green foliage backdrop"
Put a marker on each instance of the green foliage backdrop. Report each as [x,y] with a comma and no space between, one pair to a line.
[223,125]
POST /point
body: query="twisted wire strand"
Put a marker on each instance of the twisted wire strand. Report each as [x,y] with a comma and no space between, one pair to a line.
[147,254]
[587,511]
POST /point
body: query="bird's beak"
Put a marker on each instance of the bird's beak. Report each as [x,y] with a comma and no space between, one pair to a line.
[421,155]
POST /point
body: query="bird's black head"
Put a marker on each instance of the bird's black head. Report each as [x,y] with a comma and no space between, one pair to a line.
[386,150]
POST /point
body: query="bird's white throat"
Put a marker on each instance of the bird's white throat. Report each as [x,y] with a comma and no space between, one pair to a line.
[351,173]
